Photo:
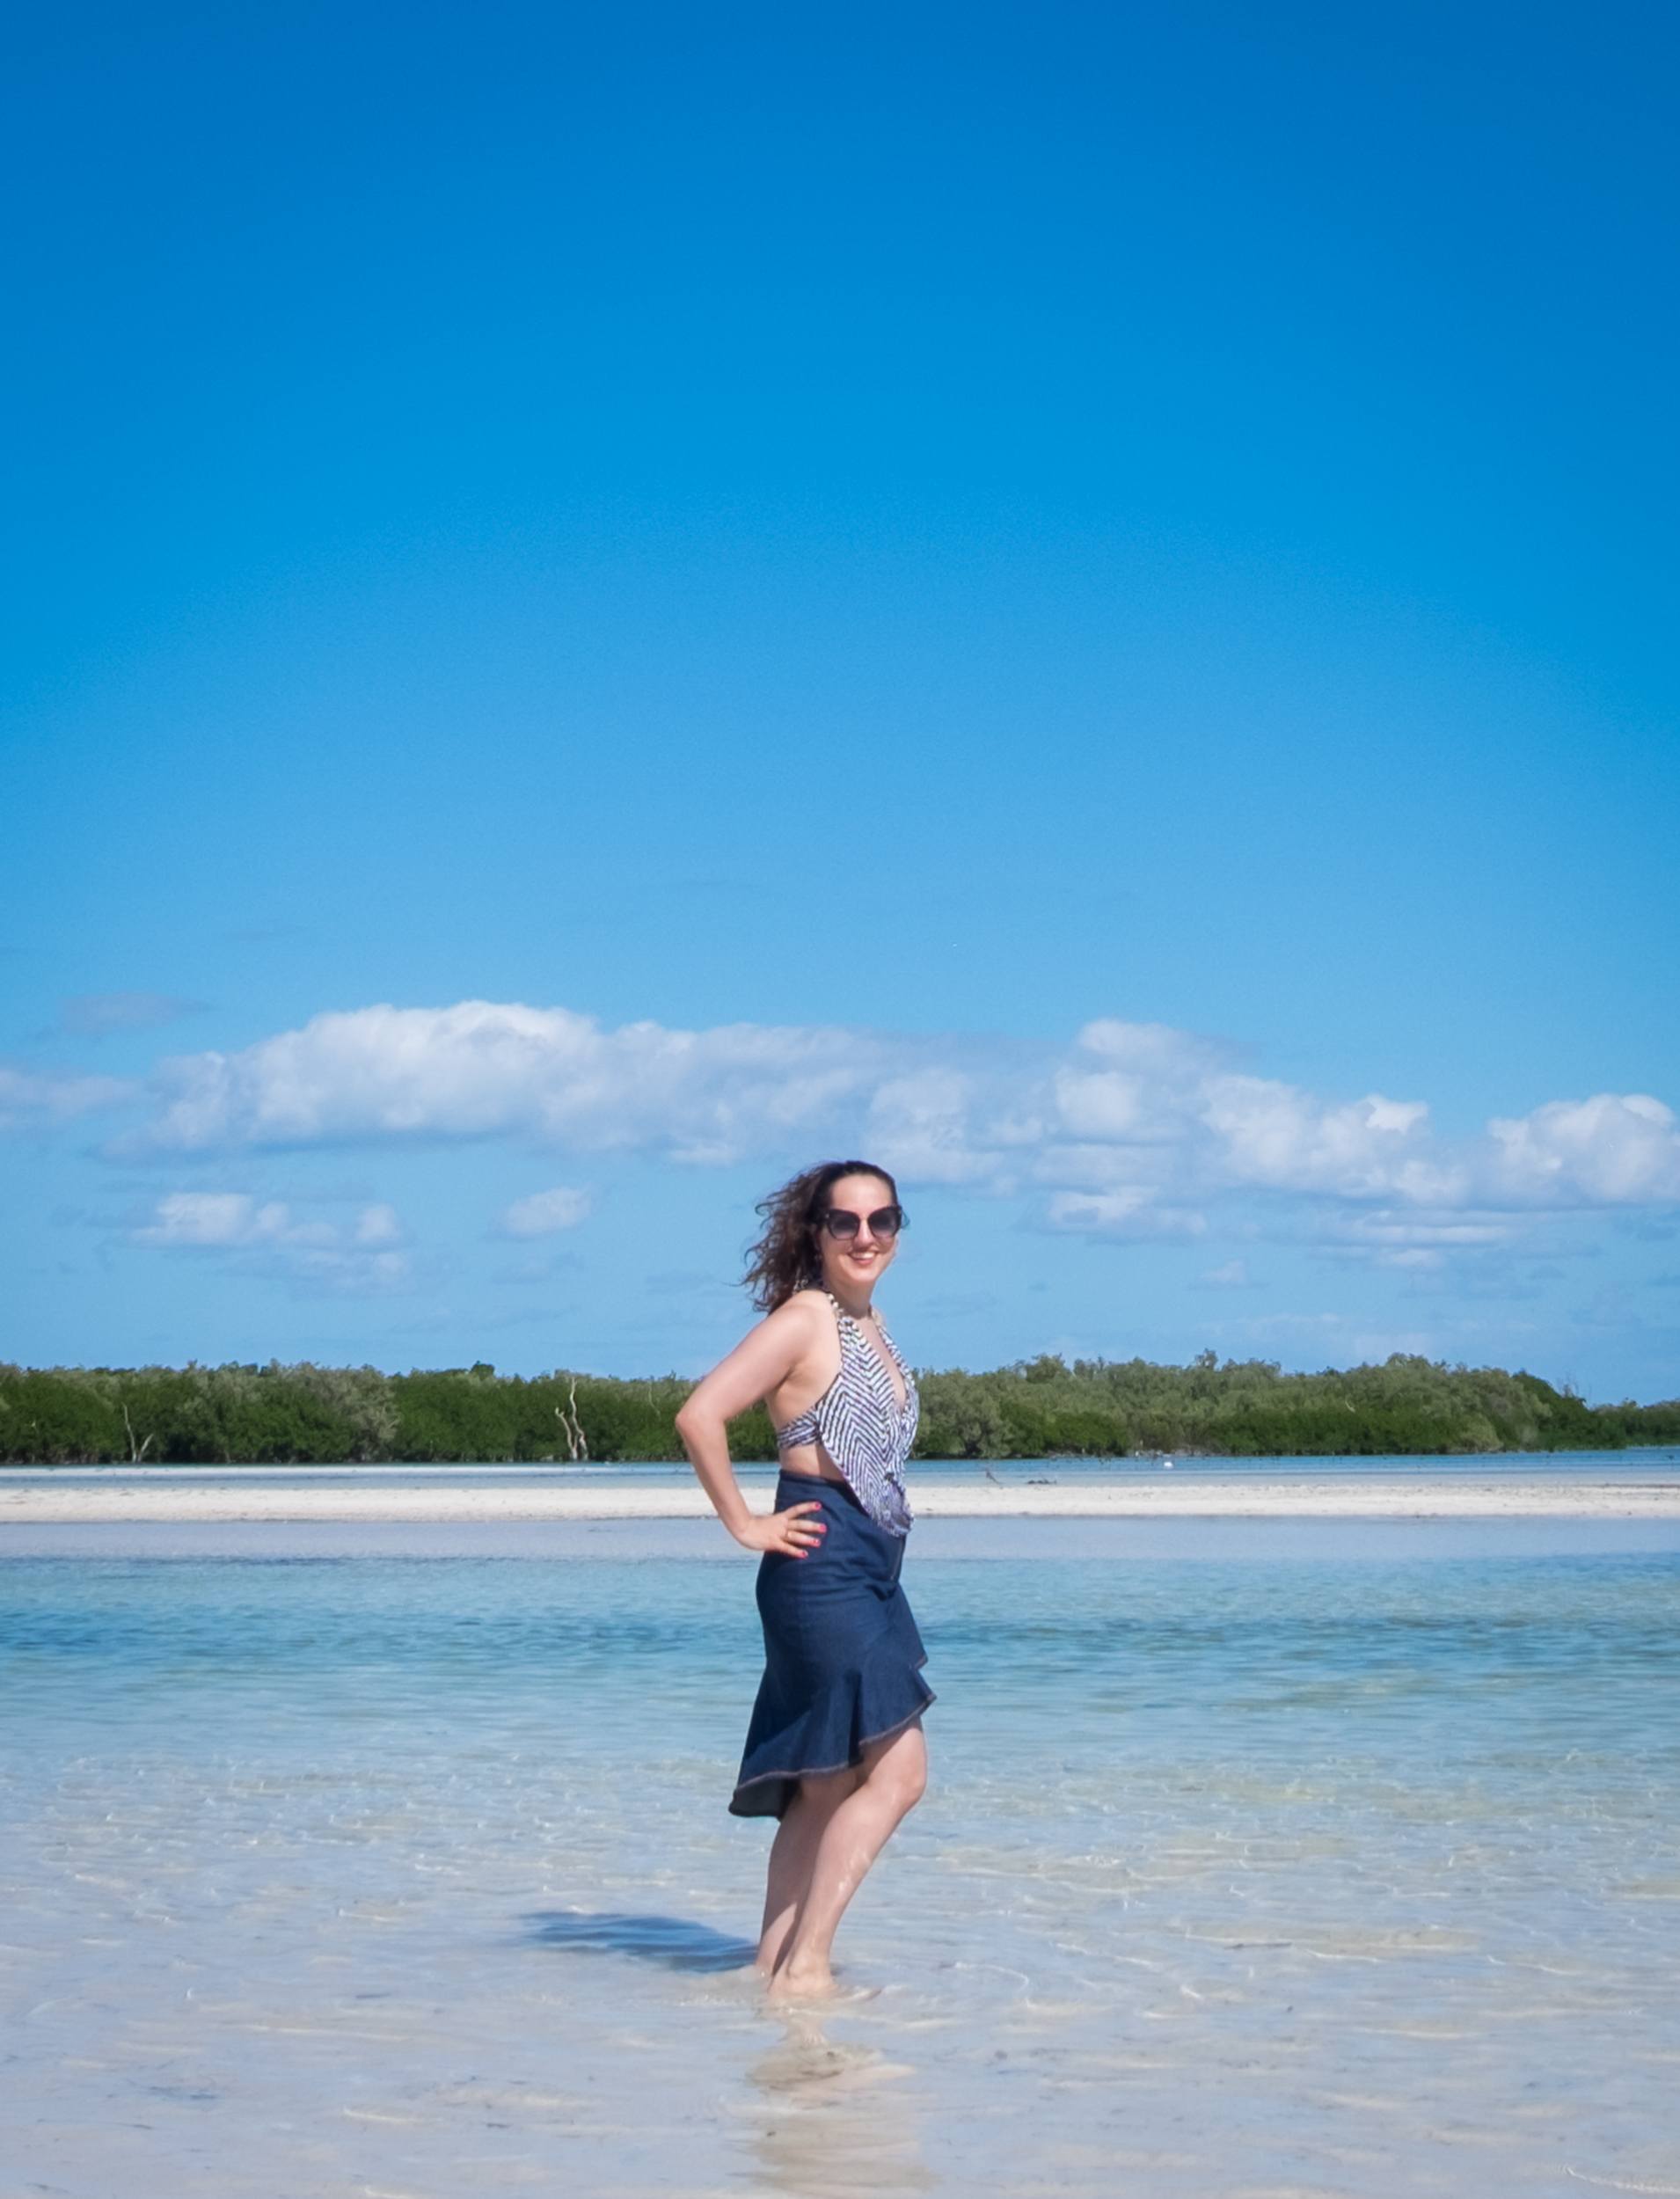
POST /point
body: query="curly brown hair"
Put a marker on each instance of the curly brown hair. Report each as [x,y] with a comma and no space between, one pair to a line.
[785,1259]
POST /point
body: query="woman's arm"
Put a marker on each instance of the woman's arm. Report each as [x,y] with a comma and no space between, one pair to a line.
[758,1365]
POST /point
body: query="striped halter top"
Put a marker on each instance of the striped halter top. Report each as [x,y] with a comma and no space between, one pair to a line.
[859,1422]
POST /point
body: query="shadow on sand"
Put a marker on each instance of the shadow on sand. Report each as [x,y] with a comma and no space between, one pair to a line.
[675,1942]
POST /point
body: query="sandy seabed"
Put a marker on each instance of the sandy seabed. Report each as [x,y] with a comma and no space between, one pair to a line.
[1352,1876]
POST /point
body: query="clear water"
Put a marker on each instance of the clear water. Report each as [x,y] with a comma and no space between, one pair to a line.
[1646,1463]
[1257,1863]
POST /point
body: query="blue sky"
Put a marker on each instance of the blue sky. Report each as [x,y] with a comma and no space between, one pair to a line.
[1079,600]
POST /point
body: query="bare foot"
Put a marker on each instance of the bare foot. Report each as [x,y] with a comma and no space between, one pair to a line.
[802,1981]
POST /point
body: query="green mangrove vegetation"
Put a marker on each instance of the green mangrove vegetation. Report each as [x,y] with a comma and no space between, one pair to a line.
[1038,1408]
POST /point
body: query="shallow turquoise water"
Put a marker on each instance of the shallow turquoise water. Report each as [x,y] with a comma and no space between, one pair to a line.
[1644,1464]
[1281,1864]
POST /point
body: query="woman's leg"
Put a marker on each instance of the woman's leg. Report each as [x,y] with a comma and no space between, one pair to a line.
[791,1854]
[857,1827]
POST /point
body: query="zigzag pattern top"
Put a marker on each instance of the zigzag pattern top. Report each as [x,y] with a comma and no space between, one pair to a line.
[861,1425]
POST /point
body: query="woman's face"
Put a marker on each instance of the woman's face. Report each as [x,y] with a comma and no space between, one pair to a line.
[856,1262]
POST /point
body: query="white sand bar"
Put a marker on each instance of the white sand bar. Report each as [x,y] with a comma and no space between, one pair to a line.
[949,1497]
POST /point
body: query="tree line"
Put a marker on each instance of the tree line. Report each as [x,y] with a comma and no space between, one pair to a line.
[1037,1408]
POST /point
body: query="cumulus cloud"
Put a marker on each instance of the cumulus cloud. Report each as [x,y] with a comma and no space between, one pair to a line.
[1146,1112]
[483,1067]
[1133,1129]
[1135,1083]
[1156,1050]
[1608,1150]
[355,1257]
[216,1218]
[29,1098]
[1275,1135]
[544,1213]
[922,1127]
[1150,1114]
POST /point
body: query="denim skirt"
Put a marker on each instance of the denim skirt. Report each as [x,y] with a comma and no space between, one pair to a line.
[843,1660]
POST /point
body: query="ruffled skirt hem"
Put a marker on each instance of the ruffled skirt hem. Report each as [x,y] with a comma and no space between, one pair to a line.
[856,1713]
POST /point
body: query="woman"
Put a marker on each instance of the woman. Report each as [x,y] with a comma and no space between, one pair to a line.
[835,1748]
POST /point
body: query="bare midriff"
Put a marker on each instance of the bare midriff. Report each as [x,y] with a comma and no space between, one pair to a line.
[808,1460]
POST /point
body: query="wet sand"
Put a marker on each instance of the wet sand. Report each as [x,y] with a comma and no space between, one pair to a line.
[222,1497]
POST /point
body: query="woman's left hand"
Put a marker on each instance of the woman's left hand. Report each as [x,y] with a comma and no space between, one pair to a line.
[788,1532]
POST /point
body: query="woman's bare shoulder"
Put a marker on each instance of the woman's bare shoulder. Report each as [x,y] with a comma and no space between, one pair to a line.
[798,1326]
[807,1310]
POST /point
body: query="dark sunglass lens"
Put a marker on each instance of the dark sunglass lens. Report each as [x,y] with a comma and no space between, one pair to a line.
[840,1224]
[884,1221]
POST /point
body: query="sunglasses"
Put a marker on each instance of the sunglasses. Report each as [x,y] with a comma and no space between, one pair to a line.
[884,1221]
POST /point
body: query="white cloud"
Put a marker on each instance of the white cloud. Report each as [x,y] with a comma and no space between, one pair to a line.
[1232,1276]
[1273,1135]
[921,1126]
[1134,1130]
[1608,1150]
[1110,1103]
[483,1067]
[543,1213]
[215,1218]
[1166,1107]
[1147,1089]
[1155,1050]
[353,1258]
[27,1096]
